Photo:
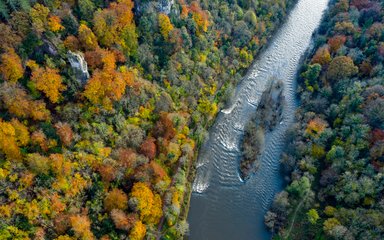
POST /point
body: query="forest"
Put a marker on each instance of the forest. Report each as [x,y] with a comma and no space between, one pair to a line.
[104,104]
[334,159]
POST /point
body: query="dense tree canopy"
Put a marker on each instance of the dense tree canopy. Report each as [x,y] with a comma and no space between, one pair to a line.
[104,103]
[11,67]
[337,143]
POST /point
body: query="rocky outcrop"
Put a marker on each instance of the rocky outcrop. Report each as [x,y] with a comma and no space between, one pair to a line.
[49,48]
[163,6]
[269,113]
[79,66]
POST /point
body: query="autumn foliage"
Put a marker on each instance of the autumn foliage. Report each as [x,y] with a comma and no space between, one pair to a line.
[336,42]
[164,127]
[360,4]
[8,37]
[165,25]
[37,163]
[107,172]
[101,147]
[87,38]
[126,157]
[322,56]
[148,204]
[19,103]
[65,133]
[138,232]
[116,199]
[13,135]
[200,17]
[148,148]
[108,85]
[60,165]
[112,25]
[11,66]
[54,24]
[341,67]
[38,137]
[121,220]
[47,80]
[39,16]
[81,225]
[316,126]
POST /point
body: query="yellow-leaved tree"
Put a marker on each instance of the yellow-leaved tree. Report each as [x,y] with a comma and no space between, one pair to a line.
[11,67]
[165,25]
[13,135]
[39,16]
[148,204]
[138,231]
[87,38]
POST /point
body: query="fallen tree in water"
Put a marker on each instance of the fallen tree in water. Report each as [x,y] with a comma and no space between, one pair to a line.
[268,115]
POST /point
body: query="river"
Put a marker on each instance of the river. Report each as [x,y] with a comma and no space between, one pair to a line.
[222,205]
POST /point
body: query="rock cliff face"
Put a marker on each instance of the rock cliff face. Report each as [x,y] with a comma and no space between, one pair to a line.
[163,6]
[266,118]
[79,65]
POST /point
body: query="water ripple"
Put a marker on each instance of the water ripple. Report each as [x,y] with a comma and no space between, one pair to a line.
[223,207]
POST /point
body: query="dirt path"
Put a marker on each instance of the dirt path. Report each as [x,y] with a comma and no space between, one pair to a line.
[295,214]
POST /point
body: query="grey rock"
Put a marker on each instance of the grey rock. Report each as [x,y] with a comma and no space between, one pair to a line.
[79,65]
[163,6]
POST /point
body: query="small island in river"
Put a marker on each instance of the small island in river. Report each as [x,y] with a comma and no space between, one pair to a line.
[267,116]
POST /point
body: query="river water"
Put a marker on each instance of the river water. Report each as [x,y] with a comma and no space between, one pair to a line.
[222,206]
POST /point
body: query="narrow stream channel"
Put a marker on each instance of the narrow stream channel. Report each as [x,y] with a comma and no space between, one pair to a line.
[222,206]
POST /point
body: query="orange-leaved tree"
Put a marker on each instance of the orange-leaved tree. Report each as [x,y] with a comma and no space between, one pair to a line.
[322,56]
[108,84]
[60,165]
[123,221]
[65,133]
[200,17]
[115,25]
[316,126]
[54,24]
[336,42]
[148,148]
[81,225]
[39,138]
[19,103]
[47,80]
[116,199]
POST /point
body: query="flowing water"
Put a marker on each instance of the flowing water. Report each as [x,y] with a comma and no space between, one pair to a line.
[222,206]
